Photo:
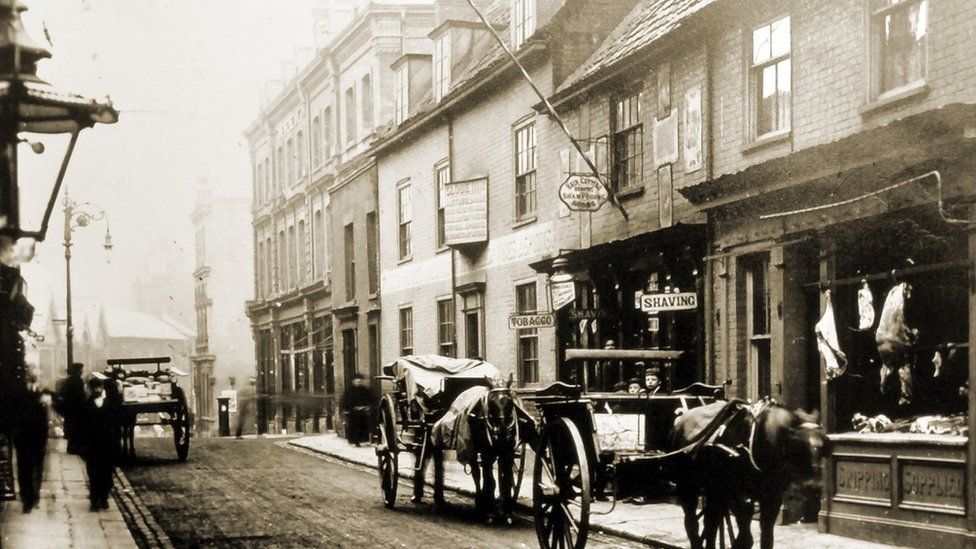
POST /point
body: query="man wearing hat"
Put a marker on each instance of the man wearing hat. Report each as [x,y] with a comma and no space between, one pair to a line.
[652,380]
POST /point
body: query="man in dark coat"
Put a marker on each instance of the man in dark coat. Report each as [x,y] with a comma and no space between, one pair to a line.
[69,400]
[30,441]
[100,431]
[358,404]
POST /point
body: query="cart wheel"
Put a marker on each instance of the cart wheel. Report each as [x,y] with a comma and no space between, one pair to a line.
[181,427]
[387,453]
[728,529]
[518,468]
[561,488]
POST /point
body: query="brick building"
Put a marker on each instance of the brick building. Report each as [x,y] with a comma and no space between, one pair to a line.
[306,141]
[465,124]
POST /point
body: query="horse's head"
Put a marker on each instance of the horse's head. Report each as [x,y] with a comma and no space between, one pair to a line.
[501,421]
[806,444]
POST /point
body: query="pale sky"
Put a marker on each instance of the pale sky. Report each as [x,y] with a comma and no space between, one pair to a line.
[186,76]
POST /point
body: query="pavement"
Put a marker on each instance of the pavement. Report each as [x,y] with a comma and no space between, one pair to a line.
[656,524]
[63,520]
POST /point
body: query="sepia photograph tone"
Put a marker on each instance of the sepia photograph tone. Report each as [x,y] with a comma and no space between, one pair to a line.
[487,274]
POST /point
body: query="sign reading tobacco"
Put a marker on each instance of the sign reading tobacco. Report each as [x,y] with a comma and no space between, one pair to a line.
[669,302]
[583,193]
[538,320]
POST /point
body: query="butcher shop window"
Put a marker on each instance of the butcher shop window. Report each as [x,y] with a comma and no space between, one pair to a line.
[899,31]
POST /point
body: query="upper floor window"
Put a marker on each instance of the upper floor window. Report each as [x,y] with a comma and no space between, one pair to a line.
[269,267]
[628,143]
[279,167]
[316,141]
[367,104]
[771,77]
[899,29]
[300,154]
[404,219]
[442,66]
[290,153]
[327,133]
[406,331]
[524,20]
[442,176]
[372,252]
[351,115]
[400,103]
[349,255]
[525,198]
[301,259]
[445,327]
[318,244]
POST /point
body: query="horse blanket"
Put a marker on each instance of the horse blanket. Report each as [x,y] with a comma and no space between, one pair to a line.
[453,430]
[423,374]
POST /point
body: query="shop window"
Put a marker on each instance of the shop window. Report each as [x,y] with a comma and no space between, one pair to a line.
[524,20]
[372,253]
[406,331]
[474,316]
[528,339]
[628,143]
[757,327]
[402,98]
[404,219]
[442,176]
[770,78]
[349,256]
[442,66]
[525,194]
[445,327]
[899,33]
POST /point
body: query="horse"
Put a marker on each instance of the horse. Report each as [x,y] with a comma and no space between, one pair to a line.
[738,456]
[484,426]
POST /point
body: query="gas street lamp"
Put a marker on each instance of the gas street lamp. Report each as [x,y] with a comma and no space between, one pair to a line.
[77,215]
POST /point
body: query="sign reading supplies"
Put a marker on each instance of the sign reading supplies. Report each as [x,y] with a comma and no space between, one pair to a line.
[582,193]
[538,320]
[466,212]
[669,302]
[561,294]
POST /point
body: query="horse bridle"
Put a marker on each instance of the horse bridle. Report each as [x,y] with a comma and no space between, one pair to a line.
[513,425]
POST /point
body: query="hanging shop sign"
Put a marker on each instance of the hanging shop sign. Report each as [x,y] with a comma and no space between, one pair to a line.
[587,314]
[561,294]
[466,212]
[524,321]
[583,193]
[669,302]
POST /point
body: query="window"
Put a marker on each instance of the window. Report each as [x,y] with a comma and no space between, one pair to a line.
[318,244]
[372,252]
[268,283]
[367,103]
[316,141]
[442,66]
[373,336]
[525,199]
[628,143]
[350,115]
[524,18]
[349,256]
[327,132]
[290,258]
[474,314]
[406,331]
[301,252]
[900,28]
[259,277]
[528,338]
[442,176]
[280,168]
[758,327]
[280,250]
[300,154]
[445,327]
[401,103]
[404,217]
[291,160]
[771,74]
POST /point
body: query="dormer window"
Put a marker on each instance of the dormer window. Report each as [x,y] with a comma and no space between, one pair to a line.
[400,106]
[442,66]
[523,21]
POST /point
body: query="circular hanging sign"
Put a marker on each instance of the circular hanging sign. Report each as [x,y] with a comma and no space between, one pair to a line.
[583,193]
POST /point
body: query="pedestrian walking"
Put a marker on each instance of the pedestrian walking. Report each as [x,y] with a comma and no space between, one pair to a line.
[101,438]
[69,401]
[30,442]
[358,404]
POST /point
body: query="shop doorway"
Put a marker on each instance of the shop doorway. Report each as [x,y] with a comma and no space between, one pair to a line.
[348,356]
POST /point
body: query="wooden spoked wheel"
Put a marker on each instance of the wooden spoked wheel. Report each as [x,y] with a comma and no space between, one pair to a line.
[181,426]
[387,454]
[561,487]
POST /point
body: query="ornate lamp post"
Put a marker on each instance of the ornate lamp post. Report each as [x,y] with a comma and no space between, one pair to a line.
[77,215]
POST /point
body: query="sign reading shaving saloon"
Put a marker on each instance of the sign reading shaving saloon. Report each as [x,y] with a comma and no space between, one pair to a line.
[583,193]
[466,212]
[669,302]
[539,320]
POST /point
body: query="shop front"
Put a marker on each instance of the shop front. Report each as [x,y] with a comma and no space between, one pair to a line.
[644,292]
[843,280]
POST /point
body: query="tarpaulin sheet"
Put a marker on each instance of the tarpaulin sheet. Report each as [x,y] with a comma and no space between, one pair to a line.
[424,373]
[453,431]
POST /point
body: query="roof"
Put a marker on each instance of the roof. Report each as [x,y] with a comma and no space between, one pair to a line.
[122,323]
[648,22]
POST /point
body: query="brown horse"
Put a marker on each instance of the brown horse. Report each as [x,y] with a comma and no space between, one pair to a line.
[749,457]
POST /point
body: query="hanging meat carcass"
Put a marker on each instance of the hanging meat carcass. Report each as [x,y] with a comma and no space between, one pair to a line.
[894,339]
[828,343]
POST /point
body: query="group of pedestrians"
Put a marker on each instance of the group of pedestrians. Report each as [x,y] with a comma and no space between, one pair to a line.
[92,426]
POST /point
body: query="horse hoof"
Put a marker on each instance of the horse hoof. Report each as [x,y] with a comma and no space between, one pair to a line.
[416,499]
[509,520]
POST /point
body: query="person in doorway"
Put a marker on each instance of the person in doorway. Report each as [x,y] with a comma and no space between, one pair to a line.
[358,404]
[101,438]
[68,402]
[30,442]
[609,369]
[652,380]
